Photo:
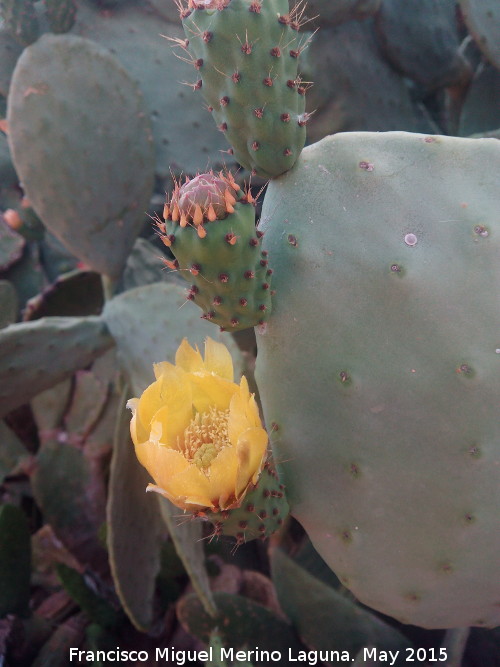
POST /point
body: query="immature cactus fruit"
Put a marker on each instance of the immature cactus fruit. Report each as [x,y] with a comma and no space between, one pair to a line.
[200,436]
[259,515]
[246,55]
[210,228]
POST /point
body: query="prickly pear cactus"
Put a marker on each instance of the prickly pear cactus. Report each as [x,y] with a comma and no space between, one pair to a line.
[37,355]
[385,249]
[210,227]
[246,56]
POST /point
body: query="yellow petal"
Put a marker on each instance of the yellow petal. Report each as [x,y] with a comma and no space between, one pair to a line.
[163,368]
[244,391]
[176,412]
[133,430]
[188,504]
[161,462]
[238,420]
[172,422]
[243,412]
[218,360]
[211,390]
[223,475]
[251,452]
[150,401]
[190,486]
[132,404]
[252,410]
[188,358]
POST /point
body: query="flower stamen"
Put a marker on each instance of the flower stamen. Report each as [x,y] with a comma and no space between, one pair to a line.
[204,437]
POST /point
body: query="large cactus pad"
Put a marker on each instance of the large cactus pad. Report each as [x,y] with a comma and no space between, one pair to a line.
[81,143]
[380,367]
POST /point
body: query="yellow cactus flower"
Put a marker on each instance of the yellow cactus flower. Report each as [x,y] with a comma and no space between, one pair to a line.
[197,432]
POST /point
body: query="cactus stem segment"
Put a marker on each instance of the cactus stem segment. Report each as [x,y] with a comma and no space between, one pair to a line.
[221,256]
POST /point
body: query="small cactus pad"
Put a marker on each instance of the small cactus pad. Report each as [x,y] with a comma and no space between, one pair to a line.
[387,427]
[138,320]
[37,355]
[425,51]
[262,512]
[482,18]
[81,143]
[242,623]
[184,136]
[246,53]
[210,228]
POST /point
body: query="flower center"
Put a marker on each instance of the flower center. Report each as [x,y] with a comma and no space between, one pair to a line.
[205,436]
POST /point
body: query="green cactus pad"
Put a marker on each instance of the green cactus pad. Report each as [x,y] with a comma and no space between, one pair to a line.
[97,608]
[480,111]
[81,143]
[184,134]
[54,257]
[262,512]
[423,48]
[12,451]
[246,60]
[143,267]
[10,50]
[37,355]
[9,301]
[149,323]
[8,176]
[482,18]
[349,73]
[242,623]
[387,309]
[220,255]
[27,275]
[11,246]
[326,12]
[327,620]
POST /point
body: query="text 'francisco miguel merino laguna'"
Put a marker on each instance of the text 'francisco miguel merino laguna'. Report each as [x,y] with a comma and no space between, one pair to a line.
[263,657]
